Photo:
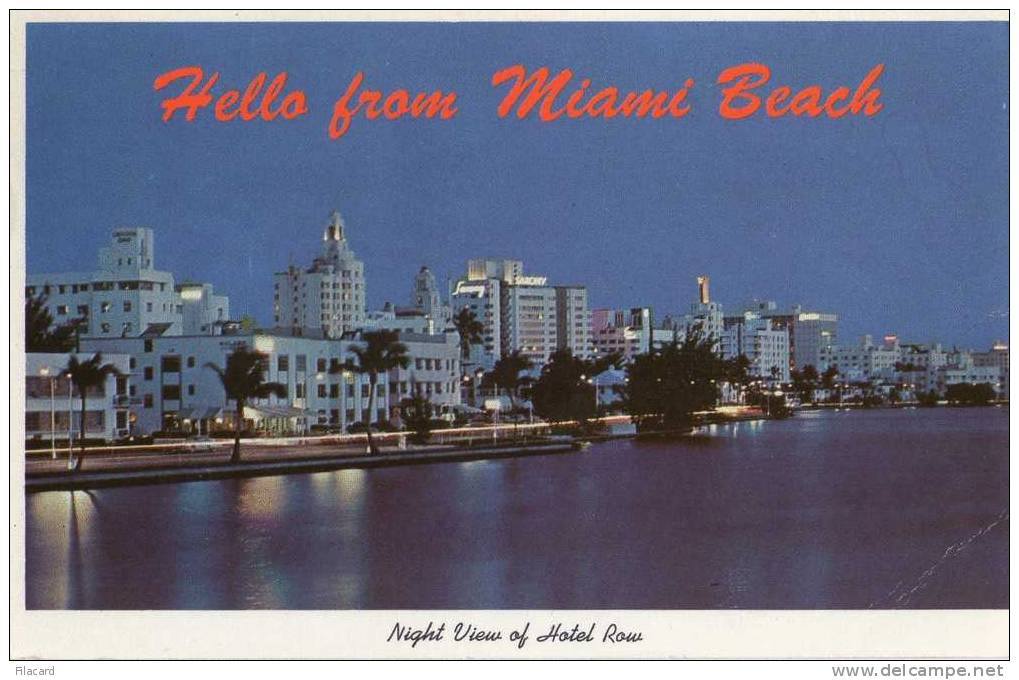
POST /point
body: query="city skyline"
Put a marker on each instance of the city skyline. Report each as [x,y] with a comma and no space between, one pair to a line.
[866,218]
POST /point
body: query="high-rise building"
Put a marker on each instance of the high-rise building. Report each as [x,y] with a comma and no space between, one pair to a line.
[127,296]
[705,316]
[809,332]
[328,296]
[483,298]
[522,313]
[529,322]
[766,347]
[573,321]
[425,298]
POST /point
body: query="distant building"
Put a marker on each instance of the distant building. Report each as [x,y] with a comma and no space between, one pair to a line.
[402,319]
[864,361]
[126,295]
[53,405]
[529,321]
[626,332]
[766,347]
[327,296]
[996,356]
[483,298]
[573,321]
[202,310]
[809,332]
[425,298]
[963,368]
[522,313]
[705,315]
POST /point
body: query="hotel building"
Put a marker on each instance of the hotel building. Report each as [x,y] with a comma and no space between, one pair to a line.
[522,313]
[329,295]
[766,347]
[171,387]
[626,332]
[53,404]
[126,295]
[864,361]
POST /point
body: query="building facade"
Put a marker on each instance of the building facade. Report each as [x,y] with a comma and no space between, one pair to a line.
[705,316]
[426,299]
[483,297]
[766,347]
[126,295]
[522,313]
[327,296]
[529,321]
[573,321]
[53,404]
[864,361]
[626,332]
[172,389]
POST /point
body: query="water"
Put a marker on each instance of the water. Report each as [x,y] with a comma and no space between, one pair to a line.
[883,508]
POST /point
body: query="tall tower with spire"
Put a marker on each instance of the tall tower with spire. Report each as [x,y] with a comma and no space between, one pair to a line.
[327,297]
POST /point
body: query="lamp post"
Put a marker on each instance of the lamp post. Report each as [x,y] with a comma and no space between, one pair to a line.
[70,417]
[45,372]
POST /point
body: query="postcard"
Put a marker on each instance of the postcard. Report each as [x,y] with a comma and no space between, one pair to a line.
[444,335]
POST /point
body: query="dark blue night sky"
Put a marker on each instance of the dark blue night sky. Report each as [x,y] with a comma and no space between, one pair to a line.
[899,223]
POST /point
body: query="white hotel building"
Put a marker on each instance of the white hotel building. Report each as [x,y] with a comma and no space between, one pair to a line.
[163,335]
[522,313]
[172,388]
[328,296]
[766,347]
[126,295]
[53,404]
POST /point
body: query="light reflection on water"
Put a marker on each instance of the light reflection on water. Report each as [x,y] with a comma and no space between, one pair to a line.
[822,510]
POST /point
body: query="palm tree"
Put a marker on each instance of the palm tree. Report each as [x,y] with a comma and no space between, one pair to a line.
[380,352]
[737,373]
[244,379]
[86,375]
[470,330]
[40,333]
[506,373]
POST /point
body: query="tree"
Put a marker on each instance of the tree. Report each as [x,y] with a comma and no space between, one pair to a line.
[968,394]
[469,329]
[667,385]
[243,380]
[829,377]
[85,375]
[247,323]
[506,374]
[805,382]
[40,333]
[737,373]
[417,415]
[378,353]
[565,390]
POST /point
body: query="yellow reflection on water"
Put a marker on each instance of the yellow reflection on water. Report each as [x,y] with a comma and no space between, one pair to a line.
[261,499]
[70,518]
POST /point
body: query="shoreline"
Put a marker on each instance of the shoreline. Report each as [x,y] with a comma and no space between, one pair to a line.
[77,481]
[199,467]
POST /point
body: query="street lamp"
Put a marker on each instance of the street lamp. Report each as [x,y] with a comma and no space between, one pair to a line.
[45,372]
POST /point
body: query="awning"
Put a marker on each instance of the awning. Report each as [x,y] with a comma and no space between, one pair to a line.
[464,408]
[200,413]
[274,411]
